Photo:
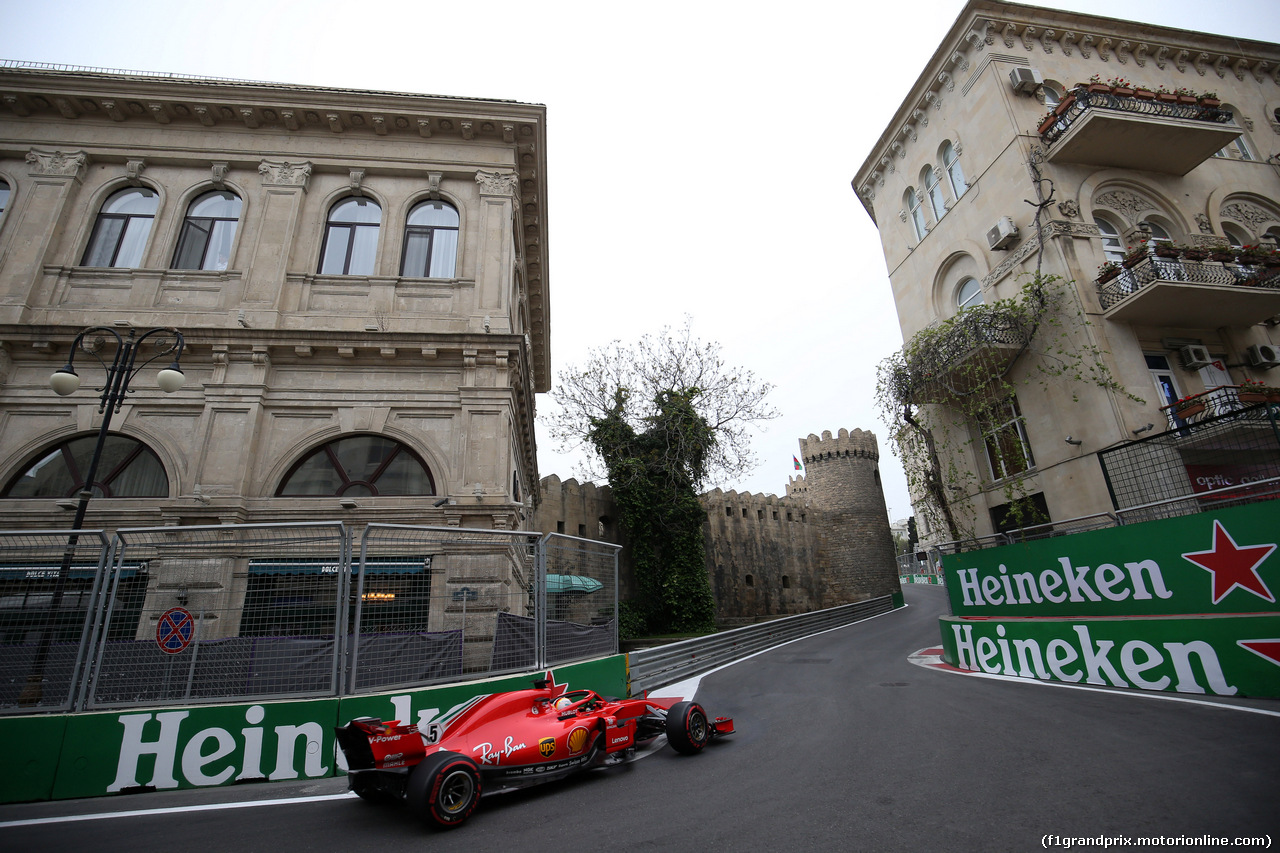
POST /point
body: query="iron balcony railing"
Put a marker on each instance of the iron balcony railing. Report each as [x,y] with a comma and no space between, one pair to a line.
[1215,403]
[1152,268]
[1081,100]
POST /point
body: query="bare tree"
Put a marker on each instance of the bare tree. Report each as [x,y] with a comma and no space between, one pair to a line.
[730,400]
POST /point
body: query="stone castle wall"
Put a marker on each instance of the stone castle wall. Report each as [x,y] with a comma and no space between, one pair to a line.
[826,543]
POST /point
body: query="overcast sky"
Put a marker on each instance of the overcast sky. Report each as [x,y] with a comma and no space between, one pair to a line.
[700,153]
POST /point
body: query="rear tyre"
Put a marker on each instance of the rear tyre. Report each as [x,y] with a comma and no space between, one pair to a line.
[688,730]
[444,789]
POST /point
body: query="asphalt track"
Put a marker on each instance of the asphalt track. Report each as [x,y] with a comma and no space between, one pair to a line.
[842,744]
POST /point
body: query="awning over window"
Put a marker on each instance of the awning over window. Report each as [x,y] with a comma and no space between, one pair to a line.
[572,584]
[397,566]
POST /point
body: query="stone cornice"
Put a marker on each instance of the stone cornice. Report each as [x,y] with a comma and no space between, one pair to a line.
[984,26]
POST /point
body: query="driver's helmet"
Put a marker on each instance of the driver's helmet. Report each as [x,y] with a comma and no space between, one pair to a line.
[562,703]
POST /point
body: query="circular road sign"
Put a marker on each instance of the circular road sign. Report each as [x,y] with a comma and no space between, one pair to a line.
[174,630]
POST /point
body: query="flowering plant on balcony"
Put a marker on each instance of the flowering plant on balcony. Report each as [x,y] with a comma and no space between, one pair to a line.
[1255,391]
[1107,271]
[1134,254]
[1192,253]
[1256,255]
[1192,404]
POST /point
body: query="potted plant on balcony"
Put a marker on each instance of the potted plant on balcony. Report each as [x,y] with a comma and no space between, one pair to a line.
[1192,253]
[1165,96]
[1096,85]
[1189,406]
[1252,391]
[1047,122]
[1134,255]
[1185,95]
[1257,256]
[1121,87]
[1165,249]
[1209,99]
[1107,271]
[1222,253]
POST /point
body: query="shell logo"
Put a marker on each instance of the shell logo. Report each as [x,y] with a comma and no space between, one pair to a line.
[577,740]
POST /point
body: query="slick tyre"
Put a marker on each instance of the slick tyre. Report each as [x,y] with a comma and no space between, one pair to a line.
[444,789]
[688,729]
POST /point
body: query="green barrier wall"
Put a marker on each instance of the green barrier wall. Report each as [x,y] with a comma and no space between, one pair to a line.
[1220,655]
[1219,562]
[88,755]
[1185,604]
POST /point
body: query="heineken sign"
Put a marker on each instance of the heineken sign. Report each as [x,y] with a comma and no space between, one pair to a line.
[1185,604]
[1221,562]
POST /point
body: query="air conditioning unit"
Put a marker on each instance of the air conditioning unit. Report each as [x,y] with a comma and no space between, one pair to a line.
[1194,356]
[1003,235]
[1025,80]
[1263,355]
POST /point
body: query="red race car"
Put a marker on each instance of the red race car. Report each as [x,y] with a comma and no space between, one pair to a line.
[511,740]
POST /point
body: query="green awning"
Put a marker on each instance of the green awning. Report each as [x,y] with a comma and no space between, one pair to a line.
[572,585]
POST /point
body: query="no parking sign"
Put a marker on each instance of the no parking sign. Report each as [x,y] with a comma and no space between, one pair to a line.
[174,630]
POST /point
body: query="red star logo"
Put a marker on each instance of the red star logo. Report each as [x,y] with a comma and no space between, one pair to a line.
[1269,649]
[1233,566]
[556,689]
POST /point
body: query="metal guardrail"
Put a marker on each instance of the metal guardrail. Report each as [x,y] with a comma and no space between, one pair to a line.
[663,665]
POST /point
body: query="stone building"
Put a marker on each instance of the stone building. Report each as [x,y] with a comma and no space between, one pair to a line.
[1125,163]
[825,543]
[360,278]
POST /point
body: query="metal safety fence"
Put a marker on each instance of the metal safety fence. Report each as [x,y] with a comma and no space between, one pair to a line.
[191,615]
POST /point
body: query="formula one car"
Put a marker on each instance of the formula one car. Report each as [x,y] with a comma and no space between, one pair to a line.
[511,740]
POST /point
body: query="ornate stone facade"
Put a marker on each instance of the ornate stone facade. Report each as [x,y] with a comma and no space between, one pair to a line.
[281,359]
[992,83]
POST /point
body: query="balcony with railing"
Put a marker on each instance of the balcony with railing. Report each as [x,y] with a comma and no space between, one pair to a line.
[1123,128]
[1248,402]
[1191,288]
[980,344]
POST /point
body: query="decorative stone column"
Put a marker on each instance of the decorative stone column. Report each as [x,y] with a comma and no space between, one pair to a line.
[55,180]
[283,186]
[495,254]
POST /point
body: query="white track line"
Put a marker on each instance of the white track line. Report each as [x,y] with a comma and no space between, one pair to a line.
[175,810]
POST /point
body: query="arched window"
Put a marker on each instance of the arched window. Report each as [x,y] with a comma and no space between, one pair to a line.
[120,234]
[1052,97]
[968,294]
[1157,232]
[351,238]
[912,201]
[431,241]
[126,469]
[357,466]
[1235,236]
[1238,148]
[955,173]
[930,180]
[207,232]
[1112,245]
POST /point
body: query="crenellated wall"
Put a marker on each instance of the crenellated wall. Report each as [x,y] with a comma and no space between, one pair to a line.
[826,543]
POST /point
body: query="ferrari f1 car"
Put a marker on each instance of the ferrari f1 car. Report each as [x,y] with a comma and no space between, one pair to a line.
[511,740]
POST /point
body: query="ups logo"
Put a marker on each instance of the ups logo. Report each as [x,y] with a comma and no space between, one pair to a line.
[547,746]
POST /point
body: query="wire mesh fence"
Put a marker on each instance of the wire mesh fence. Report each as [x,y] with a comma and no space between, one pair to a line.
[49,581]
[188,615]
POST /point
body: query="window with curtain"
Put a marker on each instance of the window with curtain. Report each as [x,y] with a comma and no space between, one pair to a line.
[1004,436]
[912,202]
[208,232]
[431,241]
[969,293]
[351,238]
[955,172]
[127,469]
[934,188]
[121,230]
[358,466]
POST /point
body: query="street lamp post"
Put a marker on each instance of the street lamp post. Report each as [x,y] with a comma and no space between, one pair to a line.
[65,381]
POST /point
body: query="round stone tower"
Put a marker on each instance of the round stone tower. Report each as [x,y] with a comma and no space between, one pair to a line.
[842,481]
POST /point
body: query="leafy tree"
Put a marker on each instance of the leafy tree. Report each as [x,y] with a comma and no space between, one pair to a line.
[663,417]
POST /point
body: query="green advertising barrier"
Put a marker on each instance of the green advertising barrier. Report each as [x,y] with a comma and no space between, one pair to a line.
[1221,655]
[1215,562]
[88,755]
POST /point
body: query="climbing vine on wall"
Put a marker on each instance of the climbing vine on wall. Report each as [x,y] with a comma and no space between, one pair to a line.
[949,396]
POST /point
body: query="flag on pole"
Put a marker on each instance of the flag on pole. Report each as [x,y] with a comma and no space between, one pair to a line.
[797,463]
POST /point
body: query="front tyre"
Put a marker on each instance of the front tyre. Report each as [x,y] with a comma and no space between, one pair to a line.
[688,730]
[444,789]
